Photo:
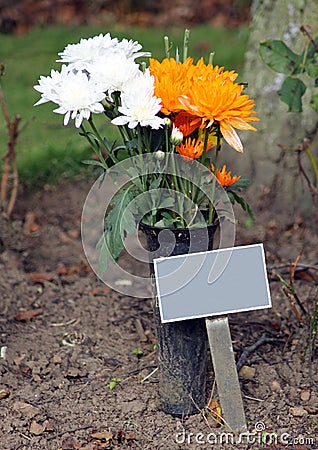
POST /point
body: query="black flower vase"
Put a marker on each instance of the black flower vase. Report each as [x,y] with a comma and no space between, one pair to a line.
[181,346]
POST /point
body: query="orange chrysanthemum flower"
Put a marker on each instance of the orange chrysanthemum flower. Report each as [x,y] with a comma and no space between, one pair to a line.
[171,78]
[186,123]
[204,92]
[192,149]
[224,177]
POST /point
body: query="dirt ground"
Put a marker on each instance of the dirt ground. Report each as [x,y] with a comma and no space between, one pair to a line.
[65,337]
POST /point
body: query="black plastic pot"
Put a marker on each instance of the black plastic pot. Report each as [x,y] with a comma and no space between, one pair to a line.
[181,346]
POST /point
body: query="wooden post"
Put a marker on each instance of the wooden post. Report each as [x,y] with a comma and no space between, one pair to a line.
[225,373]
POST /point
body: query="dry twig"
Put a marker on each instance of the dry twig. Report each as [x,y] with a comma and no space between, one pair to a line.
[249,350]
[9,178]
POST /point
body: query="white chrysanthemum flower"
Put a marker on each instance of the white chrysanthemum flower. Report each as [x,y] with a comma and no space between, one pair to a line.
[139,105]
[131,49]
[47,85]
[76,95]
[80,56]
[140,80]
[113,71]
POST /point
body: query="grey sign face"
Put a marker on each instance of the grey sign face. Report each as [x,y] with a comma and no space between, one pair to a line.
[212,283]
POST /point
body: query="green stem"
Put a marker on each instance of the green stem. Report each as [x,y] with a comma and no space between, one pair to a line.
[177,187]
[186,44]
[101,142]
[167,46]
[305,57]
[218,149]
[205,146]
[312,162]
[96,148]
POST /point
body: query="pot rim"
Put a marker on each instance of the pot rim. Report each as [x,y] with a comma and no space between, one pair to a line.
[152,227]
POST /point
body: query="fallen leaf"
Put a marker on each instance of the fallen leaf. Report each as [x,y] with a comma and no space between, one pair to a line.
[99,291]
[37,277]
[81,269]
[214,412]
[27,315]
[30,222]
[4,393]
[36,428]
[61,270]
[26,409]
[311,410]
[306,275]
[129,435]
[74,234]
[101,435]
[65,238]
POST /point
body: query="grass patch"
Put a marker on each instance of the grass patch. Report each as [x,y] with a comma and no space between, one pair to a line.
[46,149]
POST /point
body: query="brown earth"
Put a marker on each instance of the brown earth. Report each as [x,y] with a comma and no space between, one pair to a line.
[17,16]
[64,336]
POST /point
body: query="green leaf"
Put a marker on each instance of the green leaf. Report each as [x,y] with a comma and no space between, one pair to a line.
[134,177]
[314,102]
[93,162]
[243,203]
[291,93]
[137,351]
[121,154]
[155,183]
[279,57]
[312,67]
[132,144]
[166,203]
[242,183]
[119,222]
[113,382]
[312,49]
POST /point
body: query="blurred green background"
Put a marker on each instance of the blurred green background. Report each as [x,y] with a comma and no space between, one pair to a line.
[46,149]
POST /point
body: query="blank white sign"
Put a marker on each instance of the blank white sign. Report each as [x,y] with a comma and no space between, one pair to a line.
[212,283]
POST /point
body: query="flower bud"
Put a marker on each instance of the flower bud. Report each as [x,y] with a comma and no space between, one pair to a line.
[176,136]
[167,122]
[159,155]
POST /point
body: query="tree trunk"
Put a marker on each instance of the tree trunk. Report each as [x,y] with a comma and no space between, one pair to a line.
[277,182]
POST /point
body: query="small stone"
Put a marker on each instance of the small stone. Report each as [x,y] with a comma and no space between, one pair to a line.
[37,378]
[275,386]
[57,359]
[26,409]
[305,395]
[4,393]
[298,411]
[133,407]
[247,372]
[36,428]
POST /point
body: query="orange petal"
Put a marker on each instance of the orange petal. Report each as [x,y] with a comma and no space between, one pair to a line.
[241,124]
[231,137]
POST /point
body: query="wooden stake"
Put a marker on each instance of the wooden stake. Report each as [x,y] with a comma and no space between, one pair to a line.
[225,373]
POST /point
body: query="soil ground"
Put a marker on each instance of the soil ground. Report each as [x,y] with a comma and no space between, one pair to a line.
[64,337]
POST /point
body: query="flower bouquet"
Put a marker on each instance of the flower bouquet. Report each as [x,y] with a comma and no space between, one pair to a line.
[172,118]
